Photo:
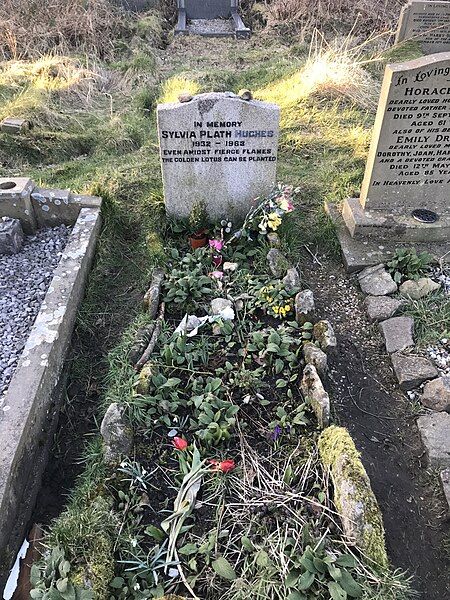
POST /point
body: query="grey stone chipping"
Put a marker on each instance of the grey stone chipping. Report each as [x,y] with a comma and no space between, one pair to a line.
[24,280]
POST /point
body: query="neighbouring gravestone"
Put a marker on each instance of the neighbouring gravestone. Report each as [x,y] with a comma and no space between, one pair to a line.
[218,149]
[428,23]
[211,18]
[405,195]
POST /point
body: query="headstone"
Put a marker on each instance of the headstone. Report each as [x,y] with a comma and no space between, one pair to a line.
[217,149]
[210,18]
[428,23]
[406,188]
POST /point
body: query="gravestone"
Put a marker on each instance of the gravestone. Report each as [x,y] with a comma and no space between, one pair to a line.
[218,149]
[211,18]
[427,22]
[405,195]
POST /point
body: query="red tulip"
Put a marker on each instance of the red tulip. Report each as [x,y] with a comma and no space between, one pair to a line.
[179,443]
[225,465]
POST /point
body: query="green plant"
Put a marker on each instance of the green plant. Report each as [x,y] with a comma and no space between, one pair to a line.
[187,284]
[50,579]
[198,217]
[407,264]
[274,298]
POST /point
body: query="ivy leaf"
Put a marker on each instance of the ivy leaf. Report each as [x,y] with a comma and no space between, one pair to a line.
[336,592]
[224,569]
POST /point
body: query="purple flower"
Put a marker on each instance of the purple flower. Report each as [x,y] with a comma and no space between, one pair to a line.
[276,433]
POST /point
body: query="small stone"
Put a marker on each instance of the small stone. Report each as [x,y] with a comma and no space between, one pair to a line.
[291,280]
[412,371]
[185,97]
[245,95]
[380,308]
[117,435]
[304,307]
[397,333]
[274,239]
[143,383]
[436,394]
[445,480]
[434,430]
[376,281]
[323,333]
[314,393]
[218,305]
[230,266]
[414,290]
[316,357]
[11,236]
[278,263]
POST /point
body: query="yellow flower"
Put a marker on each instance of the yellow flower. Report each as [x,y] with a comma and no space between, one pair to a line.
[284,204]
[274,221]
[275,309]
[287,308]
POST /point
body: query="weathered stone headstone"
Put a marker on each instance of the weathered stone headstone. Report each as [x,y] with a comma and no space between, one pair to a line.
[405,195]
[211,18]
[428,23]
[217,149]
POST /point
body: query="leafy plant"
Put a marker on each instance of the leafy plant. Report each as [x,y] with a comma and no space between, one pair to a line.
[50,579]
[187,284]
[407,264]
[275,299]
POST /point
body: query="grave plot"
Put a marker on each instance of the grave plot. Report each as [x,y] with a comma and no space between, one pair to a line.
[42,276]
[211,18]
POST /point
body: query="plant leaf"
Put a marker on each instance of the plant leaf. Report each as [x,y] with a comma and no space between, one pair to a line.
[336,592]
[306,581]
[351,586]
[224,569]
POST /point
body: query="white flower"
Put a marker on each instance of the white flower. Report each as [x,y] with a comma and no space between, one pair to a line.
[136,587]
[134,543]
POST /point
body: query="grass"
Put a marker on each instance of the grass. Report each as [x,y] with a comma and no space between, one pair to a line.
[431,318]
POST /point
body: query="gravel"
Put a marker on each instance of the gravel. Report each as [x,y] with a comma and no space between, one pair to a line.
[443,277]
[440,355]
[24,280]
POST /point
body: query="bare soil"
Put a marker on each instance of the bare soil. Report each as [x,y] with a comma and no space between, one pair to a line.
[367,400]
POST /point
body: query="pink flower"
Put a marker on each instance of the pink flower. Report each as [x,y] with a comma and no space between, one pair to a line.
[216,244]
[216,274]
[179,443]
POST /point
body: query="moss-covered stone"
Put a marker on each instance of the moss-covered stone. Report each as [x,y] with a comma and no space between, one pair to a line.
[353,496]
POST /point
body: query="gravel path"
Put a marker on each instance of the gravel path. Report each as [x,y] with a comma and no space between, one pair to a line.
[24,280]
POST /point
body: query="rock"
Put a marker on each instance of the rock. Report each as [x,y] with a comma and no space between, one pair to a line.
[151,297]
[380,308]
[376,281]
[11,236]
[223,308]
[185,97]
[436,394]
[435,433]
[278,263]
[445,480]
[230,266]
[245,95]
[291,280]
[314,393]
[353,496]
[414,290]
[274,239]
[323,333]
[143,383]
[316,357]
[117,435]
[304,307]
[411,371]
[397,333]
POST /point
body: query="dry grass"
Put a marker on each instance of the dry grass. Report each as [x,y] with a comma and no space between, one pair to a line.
[31,28]
[303,16]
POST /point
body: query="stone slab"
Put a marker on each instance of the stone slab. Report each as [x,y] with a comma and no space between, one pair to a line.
[360,253]
[207,9]
[426,22]
[314,393]
[397,333]
[31,399]
[408,166]
[411,371]
[218,149]
[435,433]
[11,236]
[387,226]
[380,308]
[15,201]
[55,207]
[376,281]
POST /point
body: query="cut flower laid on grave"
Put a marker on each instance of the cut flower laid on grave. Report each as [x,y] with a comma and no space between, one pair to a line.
[267,214]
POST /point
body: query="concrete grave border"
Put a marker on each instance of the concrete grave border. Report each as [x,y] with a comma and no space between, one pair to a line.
[29,413]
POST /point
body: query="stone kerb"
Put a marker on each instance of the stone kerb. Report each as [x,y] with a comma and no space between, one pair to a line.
[31,403]
[218,149]
[426,22]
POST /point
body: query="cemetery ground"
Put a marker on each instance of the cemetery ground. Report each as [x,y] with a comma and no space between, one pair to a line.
[108,146]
